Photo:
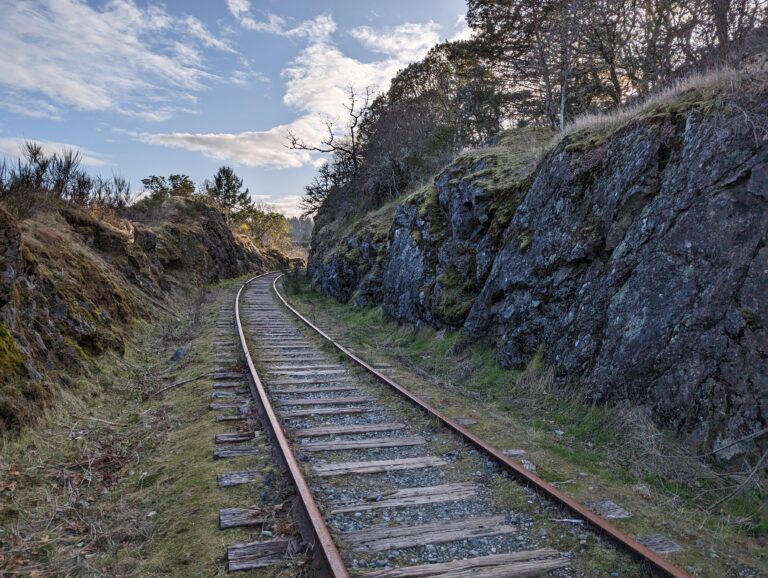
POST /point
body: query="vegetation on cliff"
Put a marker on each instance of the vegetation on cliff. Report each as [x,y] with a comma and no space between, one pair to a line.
[81,263]
[531,63]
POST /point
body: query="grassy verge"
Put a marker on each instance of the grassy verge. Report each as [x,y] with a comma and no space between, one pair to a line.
[591,452]
[118,481]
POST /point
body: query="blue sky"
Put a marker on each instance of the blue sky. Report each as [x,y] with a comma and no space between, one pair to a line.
[145,88]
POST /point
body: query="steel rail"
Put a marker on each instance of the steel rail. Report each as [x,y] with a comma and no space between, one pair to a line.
[659,565]
[323,542]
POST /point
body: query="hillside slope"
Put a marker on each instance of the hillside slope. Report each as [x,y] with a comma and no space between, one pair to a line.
[72,286]
[632,257]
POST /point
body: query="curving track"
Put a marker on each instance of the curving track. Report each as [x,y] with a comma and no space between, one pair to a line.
[388,487]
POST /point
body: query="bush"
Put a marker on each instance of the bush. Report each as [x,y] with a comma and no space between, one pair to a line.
[39,178]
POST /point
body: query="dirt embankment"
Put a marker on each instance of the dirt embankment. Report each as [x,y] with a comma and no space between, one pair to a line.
[72,285]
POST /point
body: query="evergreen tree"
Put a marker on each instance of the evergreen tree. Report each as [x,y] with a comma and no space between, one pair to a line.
[225,192]
[174,185]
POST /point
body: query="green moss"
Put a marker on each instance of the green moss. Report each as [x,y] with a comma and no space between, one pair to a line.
[376,223]
[75,346]
[45,272]
[354,256]
[701,98]
[506,172]
[588,139]
[11,358]
[453,308]
[456,296]
[524,242]
[27,255]
[655,111]
[751,318]
[449,278]
[374,226]
[430,211]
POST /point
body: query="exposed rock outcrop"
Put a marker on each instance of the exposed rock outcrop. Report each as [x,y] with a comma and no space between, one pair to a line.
[633,259]
[347,263]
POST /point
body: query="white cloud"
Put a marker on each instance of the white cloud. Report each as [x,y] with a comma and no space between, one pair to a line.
[12,147]
[317,82]
[319,28]
[118,57]
[406,42]
[318,79]
[252,148]
[273,24]
[28,106]
[239,8]
[288,205]
[244,74]
[199,31]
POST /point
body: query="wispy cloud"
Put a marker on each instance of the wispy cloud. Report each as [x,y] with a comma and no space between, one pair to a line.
[252,148]
[319,28]
[12,147]
[119,57]
[288,205]
[28,106]
[199,31]
[406,42]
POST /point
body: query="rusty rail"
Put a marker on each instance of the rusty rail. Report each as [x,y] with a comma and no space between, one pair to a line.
[659,565]
[323,542]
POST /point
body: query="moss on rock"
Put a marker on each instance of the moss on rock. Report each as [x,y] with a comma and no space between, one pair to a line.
[11,359]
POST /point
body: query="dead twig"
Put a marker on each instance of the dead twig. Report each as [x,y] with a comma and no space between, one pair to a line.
[738,441]
[183,382]
[745,484]
[88,418]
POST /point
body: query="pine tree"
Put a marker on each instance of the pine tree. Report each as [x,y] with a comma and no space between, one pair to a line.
[225,192]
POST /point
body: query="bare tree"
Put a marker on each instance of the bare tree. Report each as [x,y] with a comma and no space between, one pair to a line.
[347,146]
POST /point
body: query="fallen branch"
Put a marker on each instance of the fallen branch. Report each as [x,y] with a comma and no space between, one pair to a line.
[88,418]
[183,382]
[746,484]
[738,441]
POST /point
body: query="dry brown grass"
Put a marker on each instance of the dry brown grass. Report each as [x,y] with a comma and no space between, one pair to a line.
[734,88]
[608,122]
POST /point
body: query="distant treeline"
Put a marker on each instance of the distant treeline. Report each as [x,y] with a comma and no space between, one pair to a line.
[39,180]
[301,230]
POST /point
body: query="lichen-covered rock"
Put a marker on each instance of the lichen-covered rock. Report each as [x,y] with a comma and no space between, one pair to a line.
[349,264]
[445,237]
[628,266]
[408,278]
[634,263]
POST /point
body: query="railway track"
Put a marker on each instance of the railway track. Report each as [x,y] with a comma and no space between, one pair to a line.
[387,487]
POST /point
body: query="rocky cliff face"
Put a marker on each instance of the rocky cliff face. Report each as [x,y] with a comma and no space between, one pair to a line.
[633,259]
[71,285]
